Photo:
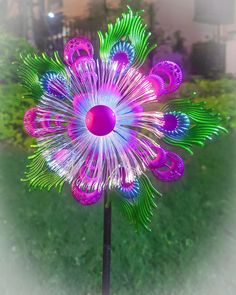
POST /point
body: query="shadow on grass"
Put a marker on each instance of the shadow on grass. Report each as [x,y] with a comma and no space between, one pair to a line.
[62,242]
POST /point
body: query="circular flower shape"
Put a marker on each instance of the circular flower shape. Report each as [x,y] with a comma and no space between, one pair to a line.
[102,125]
[130,190]
[171,170]
[176,124]
[92,127]
[54,84]
[171,73]
[123,52]
[76,49]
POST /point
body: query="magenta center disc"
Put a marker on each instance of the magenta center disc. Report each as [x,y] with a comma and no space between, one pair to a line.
[121,57]
[171,122]
[100,120]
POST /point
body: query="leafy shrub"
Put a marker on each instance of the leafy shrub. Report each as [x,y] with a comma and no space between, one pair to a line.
[10,50]
[218,94]
[12,102]
[13,106]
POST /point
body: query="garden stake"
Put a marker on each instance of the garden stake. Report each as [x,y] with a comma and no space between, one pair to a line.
[106,245]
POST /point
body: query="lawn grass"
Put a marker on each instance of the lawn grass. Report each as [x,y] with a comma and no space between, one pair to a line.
[61,242]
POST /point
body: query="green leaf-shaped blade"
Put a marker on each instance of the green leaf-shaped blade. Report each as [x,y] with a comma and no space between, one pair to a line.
[39,176]
[33,67]
[129,27]
[204,124]
[139,211]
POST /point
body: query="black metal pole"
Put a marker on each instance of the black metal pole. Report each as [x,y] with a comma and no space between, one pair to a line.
[106,246]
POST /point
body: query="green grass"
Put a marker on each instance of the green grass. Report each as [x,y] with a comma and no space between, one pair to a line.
[61,242]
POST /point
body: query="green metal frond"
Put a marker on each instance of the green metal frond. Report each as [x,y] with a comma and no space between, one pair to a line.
[139,211]
[38,174]
[204,123]
[129,27]
[33,67]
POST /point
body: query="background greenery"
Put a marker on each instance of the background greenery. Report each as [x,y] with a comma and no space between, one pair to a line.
[218,94]
[11,50]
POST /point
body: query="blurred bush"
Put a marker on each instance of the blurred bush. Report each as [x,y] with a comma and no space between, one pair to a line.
[12,102]
[13,106]
[11,48]
[218,94]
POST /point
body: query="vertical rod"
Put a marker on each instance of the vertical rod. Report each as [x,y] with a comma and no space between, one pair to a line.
[106,246]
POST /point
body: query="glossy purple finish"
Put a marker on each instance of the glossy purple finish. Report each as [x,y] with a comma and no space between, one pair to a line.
[160,158]
[171,122]
[100,120]
[77,48]
[171,74]
[85,198]
[121,57]
[72,129]
[172,170]
[157,84]
[38,123]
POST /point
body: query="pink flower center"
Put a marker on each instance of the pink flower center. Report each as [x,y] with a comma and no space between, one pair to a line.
[100,120]
[171,122]
[121,57]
